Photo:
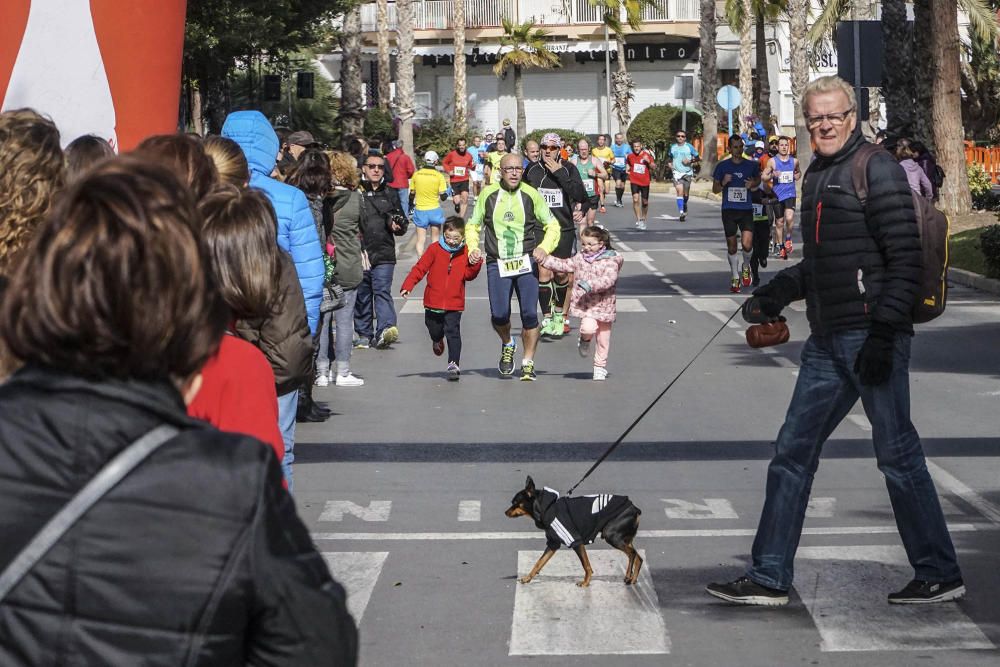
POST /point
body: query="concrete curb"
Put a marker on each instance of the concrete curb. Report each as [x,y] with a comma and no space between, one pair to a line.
[974,280]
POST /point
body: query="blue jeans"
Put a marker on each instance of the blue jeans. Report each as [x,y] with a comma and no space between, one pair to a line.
[375,302]
[288,405]
[404,200]
[344,319]
[826,390]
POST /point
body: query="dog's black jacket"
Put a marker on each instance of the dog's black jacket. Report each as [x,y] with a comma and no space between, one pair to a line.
[575,521]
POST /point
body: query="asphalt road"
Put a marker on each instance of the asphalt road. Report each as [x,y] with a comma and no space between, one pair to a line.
[404,488]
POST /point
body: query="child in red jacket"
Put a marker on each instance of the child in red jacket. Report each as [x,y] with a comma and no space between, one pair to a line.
[447,267]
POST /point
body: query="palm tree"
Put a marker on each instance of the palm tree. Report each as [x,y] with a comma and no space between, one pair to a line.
[384,66]
[739,14]
[765,12]
[799,73]
[611,12]
[404,73]
[522,46]
[461,96]
[709,84]
[352,95]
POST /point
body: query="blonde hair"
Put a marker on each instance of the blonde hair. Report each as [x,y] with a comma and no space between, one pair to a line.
[827,84]
[33,170]
[343,169]
[229,160]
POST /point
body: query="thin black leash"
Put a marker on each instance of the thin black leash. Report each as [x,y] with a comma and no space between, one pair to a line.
[650,406]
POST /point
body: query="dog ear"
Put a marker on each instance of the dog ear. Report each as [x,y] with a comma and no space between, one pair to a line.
[529,485]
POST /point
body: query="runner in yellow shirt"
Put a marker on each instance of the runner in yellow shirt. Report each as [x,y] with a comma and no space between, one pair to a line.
[429,188]
[604,153]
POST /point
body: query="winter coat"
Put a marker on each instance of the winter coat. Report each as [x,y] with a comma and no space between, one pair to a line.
[600,276]
[238,395]
[284,337]
[575,521]
[296,228]
[447,273]
[917,179]
[858,264]
[567,179]
[379,206]
[342,213]
[198,551]
[401,169]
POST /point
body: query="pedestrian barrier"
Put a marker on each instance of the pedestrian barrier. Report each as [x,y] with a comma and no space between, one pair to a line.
[986,156]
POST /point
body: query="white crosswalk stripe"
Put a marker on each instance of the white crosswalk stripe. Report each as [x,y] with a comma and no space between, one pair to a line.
[699,256]
[357,572]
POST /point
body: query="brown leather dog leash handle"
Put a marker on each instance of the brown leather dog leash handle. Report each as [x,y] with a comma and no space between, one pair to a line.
[650,406]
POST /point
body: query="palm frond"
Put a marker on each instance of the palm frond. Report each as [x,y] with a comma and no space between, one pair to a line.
[735,16]
[982,18]
[833,11]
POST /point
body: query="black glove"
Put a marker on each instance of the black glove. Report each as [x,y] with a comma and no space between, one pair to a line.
[874,362]
[761,309]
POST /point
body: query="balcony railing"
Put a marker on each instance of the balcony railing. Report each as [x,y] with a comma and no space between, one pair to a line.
[439,14]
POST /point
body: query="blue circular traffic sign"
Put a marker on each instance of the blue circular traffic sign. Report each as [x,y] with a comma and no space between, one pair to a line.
[729,98]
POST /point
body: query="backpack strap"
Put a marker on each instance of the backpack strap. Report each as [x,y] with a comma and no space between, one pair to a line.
[859,170]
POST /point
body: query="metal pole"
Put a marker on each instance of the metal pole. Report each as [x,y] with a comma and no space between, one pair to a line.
[607,71]
[857,64]
[729,105]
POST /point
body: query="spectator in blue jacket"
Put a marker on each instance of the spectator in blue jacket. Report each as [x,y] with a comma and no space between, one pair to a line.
[296,228]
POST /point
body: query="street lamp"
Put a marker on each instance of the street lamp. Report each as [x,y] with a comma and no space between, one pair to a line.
[607,71]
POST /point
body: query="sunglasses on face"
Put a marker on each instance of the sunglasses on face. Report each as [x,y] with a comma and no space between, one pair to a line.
[550,148]
[375,166]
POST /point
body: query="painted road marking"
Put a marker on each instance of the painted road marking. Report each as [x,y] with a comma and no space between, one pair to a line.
[716,532]
[357,572]
[630,306]
[552,616]
[798,306]
[469,510]
[712,508]
[699,256]
[725,305]
[377,510]
[861,422]
[956,487]
[820,508]
[844,589]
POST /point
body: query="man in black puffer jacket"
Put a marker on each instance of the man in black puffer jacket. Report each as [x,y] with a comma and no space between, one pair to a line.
[859,276]
[382,219]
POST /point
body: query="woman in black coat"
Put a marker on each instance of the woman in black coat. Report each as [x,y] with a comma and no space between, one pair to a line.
[196,557]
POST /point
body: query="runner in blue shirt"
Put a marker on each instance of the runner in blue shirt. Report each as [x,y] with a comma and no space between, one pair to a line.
[735,177]
[621,150]
[781,172]
[683,157]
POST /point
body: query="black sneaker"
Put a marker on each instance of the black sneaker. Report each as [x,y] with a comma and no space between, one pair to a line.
[528,371]
[926,592]
[506,365]
[744,591]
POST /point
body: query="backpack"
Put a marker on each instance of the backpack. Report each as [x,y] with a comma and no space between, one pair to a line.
[937,178]
[933,227]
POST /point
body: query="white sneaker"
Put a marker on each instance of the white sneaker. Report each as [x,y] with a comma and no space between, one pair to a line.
[600,374]
[618,204]
[640,225]
[349,380]
[322,379]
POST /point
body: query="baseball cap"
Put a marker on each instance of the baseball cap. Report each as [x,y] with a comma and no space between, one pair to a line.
[301,138]
[551,138]
[430,157]
[759,144]
[506,122]
[772,139]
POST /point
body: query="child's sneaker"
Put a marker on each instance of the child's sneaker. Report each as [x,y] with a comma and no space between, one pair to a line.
[583,346]
[600,374]
[453,371]
[438,347]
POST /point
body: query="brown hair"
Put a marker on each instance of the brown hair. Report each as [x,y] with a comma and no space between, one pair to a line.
[185,156]
[116,282]
[453,223]
[83,153]
[32,171]
[311,173]
[240,232]
[230,162]
[343,169]
[597,232]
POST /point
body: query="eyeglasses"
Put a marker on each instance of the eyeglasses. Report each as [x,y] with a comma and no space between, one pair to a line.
[836,119]
[512,170]
[375,166]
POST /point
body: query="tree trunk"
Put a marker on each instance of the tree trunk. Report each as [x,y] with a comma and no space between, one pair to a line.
[709,76]
[799,70]
[923,77]
[746,67]
[622,85]
[946,107]
[522,119]
[197,122]
[384,63]
[897,77]
[352,120]
[404,74]
[763,81]
[461,96]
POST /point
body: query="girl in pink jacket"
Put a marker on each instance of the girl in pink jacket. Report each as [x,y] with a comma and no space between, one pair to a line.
[595,269]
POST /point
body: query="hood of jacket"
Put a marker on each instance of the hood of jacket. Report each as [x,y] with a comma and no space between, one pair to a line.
[256,137]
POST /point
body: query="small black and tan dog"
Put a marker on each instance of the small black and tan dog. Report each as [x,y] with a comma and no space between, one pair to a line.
[575,522]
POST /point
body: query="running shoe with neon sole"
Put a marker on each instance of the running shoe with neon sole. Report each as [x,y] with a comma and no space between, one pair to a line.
[545,326]
[388,336]
[528,371]
[506,364]
[745,275]
[734,285]
[558,328]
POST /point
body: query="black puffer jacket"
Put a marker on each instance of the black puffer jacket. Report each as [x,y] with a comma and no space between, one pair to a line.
[196,558]
[566,178]
[858,265]
[378,208]
[284,337]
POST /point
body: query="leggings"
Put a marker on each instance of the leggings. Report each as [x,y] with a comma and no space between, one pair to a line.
[600,333]
[446,325]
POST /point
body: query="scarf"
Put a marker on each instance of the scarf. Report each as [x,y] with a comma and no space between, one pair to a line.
[450,248]
[590,257]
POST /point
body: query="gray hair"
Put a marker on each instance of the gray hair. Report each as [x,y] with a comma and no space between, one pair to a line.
[828,84]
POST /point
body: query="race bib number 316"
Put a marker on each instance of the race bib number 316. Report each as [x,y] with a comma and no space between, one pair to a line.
[553,197]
